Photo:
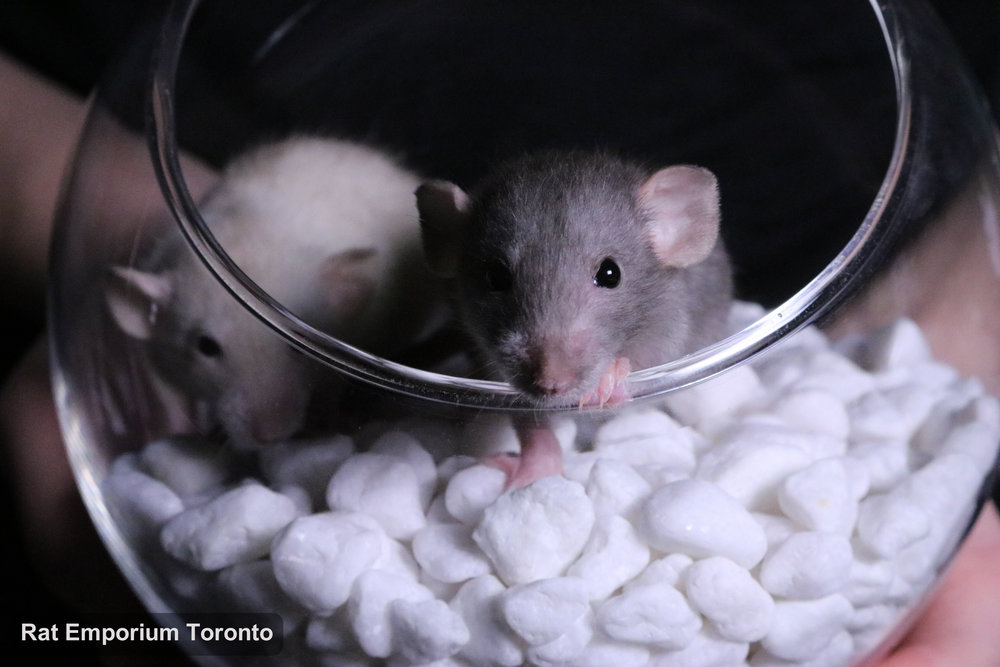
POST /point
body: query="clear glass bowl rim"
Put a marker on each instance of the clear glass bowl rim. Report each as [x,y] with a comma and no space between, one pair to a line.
[817,298]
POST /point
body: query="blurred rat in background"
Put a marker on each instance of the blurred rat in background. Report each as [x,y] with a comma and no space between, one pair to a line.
[328,229]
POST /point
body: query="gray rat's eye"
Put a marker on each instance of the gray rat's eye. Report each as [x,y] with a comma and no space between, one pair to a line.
[498,276]
[208,346]
[608,274]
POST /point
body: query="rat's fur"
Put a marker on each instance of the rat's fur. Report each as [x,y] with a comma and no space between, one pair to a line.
[326,227]
[550,219]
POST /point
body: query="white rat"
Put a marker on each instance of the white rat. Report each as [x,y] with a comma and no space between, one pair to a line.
[326,227]
[571,268]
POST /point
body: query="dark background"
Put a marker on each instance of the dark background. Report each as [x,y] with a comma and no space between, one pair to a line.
[71,41]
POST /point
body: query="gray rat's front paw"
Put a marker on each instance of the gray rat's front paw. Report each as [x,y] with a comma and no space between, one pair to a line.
[612,389]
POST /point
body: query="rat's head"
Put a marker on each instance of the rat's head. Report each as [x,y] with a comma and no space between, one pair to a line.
[563,263]
[243,377]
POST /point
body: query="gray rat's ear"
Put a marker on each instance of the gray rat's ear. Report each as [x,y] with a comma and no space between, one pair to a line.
[444,211]
[134,297]
[683,205]
[348,280]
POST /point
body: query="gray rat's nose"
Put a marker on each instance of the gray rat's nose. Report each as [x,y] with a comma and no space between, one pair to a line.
[550,371]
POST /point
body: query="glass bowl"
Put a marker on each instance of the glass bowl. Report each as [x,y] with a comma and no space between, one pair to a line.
[249,442]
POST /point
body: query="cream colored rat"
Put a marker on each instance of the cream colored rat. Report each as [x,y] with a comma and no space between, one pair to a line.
[326,227]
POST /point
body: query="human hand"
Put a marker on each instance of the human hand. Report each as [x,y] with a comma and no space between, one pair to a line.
[959,626]
[58,536]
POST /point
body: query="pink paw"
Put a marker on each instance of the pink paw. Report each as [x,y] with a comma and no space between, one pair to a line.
[540,457]
[612,389]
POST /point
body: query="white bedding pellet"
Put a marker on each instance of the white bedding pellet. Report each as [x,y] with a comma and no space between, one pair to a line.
[373,595]
[699,519]
[188,465]
[659,475]
[872,416]
[566,648]
[143,504]
[253,586]
[492,434]
[820,497]
[782,366]
[332,635]
[471,491]
[831,372]
[813,410]
[308,465]
[317,558]
[426,631]
[889,522]
[655,615]
[807,566]
[723,396]
[932,488]
[788,513]
[544,610]
[972,430]
[835,654]
[578,466]
[491,641]
[646,436]
[751,463]
[730,598]
[975,440]
[236,526]
[666,570]
[615,488]
[777,528]
[407,448]
[914,401]
[613,556]
[397,557]
[707,649]
[442,590]
[899,345]
[537,531]
[859,479]
[885,461]
[601,652]
[872,616]
[868,582]
[447,553]
[382,486]
[802,629]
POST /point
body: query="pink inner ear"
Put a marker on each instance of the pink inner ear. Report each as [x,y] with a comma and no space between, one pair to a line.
[683,205]
[132,295]
[153,286]
[348,279]
[444,210]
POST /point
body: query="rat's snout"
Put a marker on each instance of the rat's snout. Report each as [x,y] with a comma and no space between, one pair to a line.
[268,411]
[280,412]
[552,369]
[279,423]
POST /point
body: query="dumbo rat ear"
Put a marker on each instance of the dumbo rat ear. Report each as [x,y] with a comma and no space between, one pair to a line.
[683,207]
[444,212]
[134,297]
[348,280]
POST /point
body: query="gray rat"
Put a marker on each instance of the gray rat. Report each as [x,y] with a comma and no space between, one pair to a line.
[571,268]
[326,227]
